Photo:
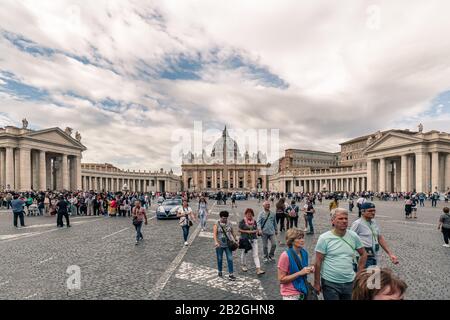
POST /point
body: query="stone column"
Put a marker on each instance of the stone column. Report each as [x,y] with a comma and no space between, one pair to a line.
[370,174]
[25,169]
[185,180]
[9,163]
[16,169]
[382,174]
[77,167]
[2,169]
[42,171]
[221,179]
[35,172]
[447,172]
[404,174]
[65,172]
[245,179]
[435,171]
[204,179]
[420,172]
[253,177]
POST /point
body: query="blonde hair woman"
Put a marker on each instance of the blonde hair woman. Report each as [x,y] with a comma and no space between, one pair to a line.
[293,267]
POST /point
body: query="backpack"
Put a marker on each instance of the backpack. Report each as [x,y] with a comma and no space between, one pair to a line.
[293,212]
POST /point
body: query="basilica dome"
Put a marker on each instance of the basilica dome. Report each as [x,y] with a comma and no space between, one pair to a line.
[231,147]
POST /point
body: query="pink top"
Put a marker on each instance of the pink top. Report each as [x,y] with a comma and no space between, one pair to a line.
[139,214]
[286,289]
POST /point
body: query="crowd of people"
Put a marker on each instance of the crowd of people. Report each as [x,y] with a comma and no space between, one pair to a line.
[345,256]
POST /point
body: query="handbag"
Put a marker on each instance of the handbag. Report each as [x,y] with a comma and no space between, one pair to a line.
[233,246]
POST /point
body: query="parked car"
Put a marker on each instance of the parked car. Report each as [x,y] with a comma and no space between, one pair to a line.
[168,209]
[240,196]
[212,195]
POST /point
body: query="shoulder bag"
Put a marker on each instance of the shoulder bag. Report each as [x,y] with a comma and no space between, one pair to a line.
[233,246]
[312,293]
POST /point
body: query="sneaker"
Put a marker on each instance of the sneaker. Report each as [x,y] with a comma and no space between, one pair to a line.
[244,268]
[260,271]
[220,274]
[137,242]
[186,243]
[306,229]
[446,245]
[231,277]
[266,260]
[271,259]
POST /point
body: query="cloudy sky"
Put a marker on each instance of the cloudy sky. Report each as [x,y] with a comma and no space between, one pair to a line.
[128,74]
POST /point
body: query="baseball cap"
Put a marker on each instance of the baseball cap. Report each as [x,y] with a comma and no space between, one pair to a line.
[367,205]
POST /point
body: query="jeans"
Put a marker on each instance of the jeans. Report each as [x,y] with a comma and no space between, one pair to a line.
[421,201]
[202,216]
[59,219]
[292,222]
[265,239]
[185,232]
[446,234]
[219,252]
[433,203]
[21,217]
[138,228]
[336,291]
[309,217]
[280,220]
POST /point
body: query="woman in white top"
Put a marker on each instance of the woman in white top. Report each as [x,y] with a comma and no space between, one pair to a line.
[186,220]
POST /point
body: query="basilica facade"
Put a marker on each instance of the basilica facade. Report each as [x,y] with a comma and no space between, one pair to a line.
[225,168]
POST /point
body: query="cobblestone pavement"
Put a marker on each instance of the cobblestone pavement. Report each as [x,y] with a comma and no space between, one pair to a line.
[34,260]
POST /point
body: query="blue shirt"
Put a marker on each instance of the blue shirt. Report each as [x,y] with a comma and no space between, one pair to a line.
[271,224]
[17,205]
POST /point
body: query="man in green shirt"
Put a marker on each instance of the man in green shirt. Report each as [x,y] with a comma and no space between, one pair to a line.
[335,254]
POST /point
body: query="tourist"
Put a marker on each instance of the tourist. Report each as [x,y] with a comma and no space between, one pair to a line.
[309,215]
[408,208]
[187,220]
[62,211]
[8,199]
[202,212]
[223,233]
[369,232]
[293,267]
[351,204]
[422,199]
[335,255]
[414,207]
[390,287]
[267,228]
[292,215]
[249,236]
[139,216]
[280,213]
[359,203]
[17,206]
[434,199]
[444,226]
[233,201]
[333,205]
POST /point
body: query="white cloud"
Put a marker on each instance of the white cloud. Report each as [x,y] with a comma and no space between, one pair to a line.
[345,78]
